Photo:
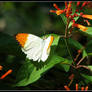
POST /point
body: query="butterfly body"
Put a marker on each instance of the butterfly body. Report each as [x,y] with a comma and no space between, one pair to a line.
[34,47]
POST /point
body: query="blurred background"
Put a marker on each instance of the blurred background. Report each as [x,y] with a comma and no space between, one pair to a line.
[34,18]
[29,17]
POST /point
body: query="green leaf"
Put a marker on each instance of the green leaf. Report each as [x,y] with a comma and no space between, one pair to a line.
[89,31]
[75,43]
[28,73]
[66,64]
[56,39]
[84,53]
[89,47]
[73,6]
[70,24]
[90,67]
[61,49]
[87,77]
[64,18]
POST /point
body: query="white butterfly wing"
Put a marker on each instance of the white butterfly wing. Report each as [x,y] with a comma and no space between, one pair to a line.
[33,47]
[46,48]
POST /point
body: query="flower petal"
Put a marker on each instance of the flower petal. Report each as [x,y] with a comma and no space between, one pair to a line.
[58,12]
[81,27]
[87,16]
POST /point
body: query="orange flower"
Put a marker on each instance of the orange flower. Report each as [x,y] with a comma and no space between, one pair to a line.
[79,51]
[86,88]
[53,11]
[71,76]
[58,11]
[87,16]
[78,3]
[88,23]
[56,6]
[82,88]
[81,27]
[66,87]
[7,73]
[68,9]
[76,88]
[84,4]
[66,4]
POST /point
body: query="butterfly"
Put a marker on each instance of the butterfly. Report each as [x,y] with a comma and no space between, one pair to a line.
[35,48]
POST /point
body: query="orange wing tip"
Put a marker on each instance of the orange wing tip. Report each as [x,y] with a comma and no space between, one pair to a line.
[22,38]
[51,40]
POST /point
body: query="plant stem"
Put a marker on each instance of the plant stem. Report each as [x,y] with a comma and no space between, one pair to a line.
[66,30]
[70,83]
[68,48]
[83,66]
[78,54]
[79,66]
[77,57]
[66,34]
[80,60]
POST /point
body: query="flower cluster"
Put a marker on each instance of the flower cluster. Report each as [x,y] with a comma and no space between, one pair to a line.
[76,88]
[69,15]
[71,77]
